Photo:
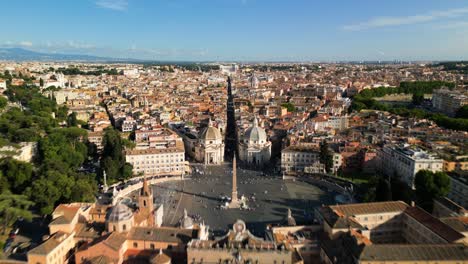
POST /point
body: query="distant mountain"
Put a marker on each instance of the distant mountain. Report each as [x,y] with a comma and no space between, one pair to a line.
[20,54]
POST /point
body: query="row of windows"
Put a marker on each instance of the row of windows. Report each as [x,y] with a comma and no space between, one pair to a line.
[302,160]
[298,155]
[157,161]
[158,156]
[158,170]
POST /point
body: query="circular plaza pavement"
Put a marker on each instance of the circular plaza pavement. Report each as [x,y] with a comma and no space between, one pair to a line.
[201,195]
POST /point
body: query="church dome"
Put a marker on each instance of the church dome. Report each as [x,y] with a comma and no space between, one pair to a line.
[255,133]
[211,133]
[120,212]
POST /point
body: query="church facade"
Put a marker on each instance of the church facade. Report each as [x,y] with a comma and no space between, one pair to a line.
[254,146]
[210,146]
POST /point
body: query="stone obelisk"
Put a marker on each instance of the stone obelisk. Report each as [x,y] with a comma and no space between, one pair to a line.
[234,200]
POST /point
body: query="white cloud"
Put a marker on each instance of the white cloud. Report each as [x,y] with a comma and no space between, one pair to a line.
[25,43]
[118,5]
[406,20]
[457,24]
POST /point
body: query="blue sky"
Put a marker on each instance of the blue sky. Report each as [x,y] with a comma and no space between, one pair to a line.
[261,30]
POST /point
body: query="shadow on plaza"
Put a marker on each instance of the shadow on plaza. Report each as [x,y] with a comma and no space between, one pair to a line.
[302,209]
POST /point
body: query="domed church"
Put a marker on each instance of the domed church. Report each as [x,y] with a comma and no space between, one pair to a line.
[254,146]
[210,146]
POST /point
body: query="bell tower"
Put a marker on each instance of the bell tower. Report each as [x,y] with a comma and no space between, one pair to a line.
[145,202]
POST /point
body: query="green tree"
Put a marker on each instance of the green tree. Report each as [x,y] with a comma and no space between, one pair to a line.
[45,195]
[113,158]
[417,98]
[383,190]
[462,112]
[17,173]
[289,106]
[430,186]
[3,102]
[12,207]
[326,157]
[72,121]
[400,190]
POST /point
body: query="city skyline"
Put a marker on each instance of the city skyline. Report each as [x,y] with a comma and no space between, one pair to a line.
[241,30]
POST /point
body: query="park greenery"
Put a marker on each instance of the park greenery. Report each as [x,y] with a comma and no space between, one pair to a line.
[53,177]
[76,71]
[455,66]
[365,100]
[462,112]
[199,67]
[113,158]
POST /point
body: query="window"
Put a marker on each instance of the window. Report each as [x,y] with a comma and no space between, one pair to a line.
[135,244]
[124,227]
[152,246]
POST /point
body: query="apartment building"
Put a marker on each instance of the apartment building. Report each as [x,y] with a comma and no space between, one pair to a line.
[159,151]
[96,139]
[447,101]
[157,162]
[405,162]
[301,159]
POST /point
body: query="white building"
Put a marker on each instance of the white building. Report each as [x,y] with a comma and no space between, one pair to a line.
[325,122]
[157,162]
[128,124]
[254,147]
[160,153]
[405,162]
[59,82]
[131,73]
[229,69]
[210,146]
[25,152]
[301,159]
[447,101]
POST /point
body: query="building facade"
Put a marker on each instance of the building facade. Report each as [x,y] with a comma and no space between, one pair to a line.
[254,146]
[447,101]
[301,159]
[210,147]
[404,162]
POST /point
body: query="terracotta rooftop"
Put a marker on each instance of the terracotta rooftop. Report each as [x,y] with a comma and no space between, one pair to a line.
[370,208]
[162,234]
[50,244]
[434,224]
[444,252]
